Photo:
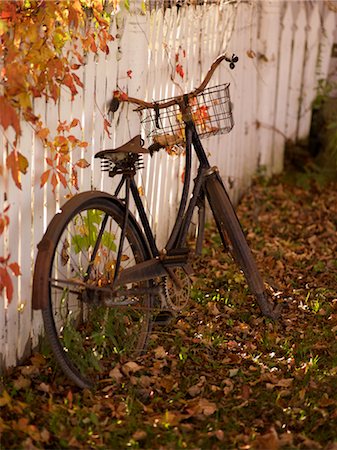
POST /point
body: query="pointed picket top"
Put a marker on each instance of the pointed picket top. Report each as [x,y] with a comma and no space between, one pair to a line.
[327,37]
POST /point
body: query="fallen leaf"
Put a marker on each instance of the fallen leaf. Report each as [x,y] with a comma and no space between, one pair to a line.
[116,374]
[160,352]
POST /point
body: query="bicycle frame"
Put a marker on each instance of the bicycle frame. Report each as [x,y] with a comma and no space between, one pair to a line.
[174,253]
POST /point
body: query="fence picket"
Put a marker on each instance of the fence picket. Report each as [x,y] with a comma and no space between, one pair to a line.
[297,61]
[284,59]
[309,82]
[269,29]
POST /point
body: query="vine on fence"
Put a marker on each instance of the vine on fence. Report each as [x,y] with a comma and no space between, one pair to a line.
[42,45]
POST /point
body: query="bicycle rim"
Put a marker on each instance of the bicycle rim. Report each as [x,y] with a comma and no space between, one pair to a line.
[89,328]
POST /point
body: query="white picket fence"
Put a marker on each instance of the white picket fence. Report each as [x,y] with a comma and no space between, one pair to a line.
[284,48]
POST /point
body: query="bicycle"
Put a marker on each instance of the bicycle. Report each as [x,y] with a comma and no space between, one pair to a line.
[99,277]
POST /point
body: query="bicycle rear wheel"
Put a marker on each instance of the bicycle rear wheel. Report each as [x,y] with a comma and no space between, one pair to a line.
[88,327]
[231,234]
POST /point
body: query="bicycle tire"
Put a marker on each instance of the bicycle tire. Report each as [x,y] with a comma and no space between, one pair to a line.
[231,232]
[88,336]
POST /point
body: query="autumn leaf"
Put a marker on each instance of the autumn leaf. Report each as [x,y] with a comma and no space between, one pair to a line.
[54,181]
[43,133]
[44,177]
[4,221]
[107,124]
[9,117]
[17,164]
[82,163]
[74,123]
[251,54]
[69,82]
[15,268]
[6,283]
[180,70]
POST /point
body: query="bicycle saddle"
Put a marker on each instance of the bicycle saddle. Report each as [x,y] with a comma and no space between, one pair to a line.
[135,146]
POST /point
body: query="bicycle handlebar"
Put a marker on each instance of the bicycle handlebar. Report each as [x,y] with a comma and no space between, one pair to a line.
[122,97]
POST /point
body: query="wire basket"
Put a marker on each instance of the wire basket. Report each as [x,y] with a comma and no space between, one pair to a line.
[211,114]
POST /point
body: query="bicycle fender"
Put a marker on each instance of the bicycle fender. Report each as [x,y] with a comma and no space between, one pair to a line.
[40,289]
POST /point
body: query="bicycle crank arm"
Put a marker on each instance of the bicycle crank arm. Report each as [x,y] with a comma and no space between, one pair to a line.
[150,269]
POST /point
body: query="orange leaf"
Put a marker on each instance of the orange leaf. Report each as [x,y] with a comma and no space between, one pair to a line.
[54,181]
[61,168]
[4,221]
[93,46]
[69,82]
[77,80]
[82,163]
[8,116]
[74,123]
[74,178]
[43,133]
[62,179]
[16,163]
[44,178]
[251,54]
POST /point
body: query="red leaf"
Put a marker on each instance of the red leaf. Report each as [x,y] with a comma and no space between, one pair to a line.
[129,73]
[15,268]
[6,283]
[180,70]
[120,95]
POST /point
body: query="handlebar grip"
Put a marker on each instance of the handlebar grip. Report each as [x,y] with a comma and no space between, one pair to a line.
[114,104]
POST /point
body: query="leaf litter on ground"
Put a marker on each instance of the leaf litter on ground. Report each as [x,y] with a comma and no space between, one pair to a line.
[221,376]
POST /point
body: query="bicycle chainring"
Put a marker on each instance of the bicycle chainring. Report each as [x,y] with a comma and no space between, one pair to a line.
[177,293]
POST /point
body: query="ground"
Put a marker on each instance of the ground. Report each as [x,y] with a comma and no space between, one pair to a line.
[221,376]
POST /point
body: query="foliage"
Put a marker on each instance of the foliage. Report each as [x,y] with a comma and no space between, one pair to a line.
[222,376]
[321,106]
[42,46]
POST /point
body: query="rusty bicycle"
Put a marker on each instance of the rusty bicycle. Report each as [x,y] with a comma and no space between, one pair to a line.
[100,279]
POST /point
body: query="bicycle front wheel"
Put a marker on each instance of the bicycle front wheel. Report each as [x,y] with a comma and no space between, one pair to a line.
[233,237]
[89,327]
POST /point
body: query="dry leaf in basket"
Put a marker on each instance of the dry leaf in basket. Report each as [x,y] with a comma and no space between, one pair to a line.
[166,140]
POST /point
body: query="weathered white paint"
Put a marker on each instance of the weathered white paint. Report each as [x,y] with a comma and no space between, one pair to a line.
[284,47]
